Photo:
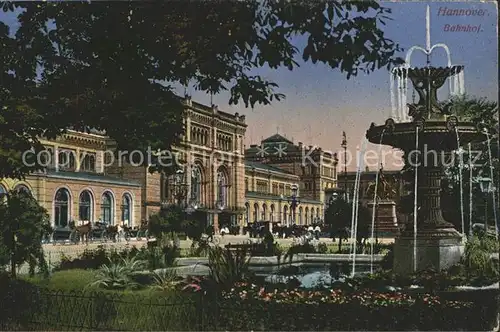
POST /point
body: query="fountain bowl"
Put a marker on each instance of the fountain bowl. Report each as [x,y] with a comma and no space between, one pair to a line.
[439,135]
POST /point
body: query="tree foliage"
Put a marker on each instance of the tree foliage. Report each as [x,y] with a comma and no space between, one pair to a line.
[484,114]
[113,66]
[339,216]
[174,219]
[23,224]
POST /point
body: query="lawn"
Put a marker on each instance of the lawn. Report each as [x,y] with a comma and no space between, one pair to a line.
[66,302]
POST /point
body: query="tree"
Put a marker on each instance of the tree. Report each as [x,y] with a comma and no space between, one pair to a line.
[114,66]
[168,221]
[339,218]
[23,224]
[484,114]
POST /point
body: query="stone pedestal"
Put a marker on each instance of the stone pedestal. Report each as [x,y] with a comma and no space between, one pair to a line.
[439,244]
[385,218]
[436,253]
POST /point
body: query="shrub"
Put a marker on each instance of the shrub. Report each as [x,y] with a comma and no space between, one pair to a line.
[119,275]
[305,248]
[156,257]
[387,262]
[477,258]
[228,266]
[89,259]
[166,280]
[322,248]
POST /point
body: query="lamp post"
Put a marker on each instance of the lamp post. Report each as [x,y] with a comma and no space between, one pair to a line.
[486,186]
[344,146]
[294,201]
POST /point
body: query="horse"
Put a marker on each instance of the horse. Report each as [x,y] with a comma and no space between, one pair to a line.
[112,232]
[83,231]
[124,232]
[143,229]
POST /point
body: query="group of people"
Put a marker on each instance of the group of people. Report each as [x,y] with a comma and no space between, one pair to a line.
[283,231]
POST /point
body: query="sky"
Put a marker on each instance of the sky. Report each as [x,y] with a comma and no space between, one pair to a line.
[321,103]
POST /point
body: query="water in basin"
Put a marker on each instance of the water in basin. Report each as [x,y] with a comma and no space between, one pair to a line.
[313,276]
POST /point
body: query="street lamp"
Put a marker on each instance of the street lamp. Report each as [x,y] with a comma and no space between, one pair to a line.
[344,146]
[192,207]
[294,201]
[220,205]
[486,186]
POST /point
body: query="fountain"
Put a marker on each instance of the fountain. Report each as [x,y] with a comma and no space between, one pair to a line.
[427,130]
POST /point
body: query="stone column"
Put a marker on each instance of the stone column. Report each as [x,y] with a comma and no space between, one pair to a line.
[214,198]
[188,129]
[189,173]
[438,243]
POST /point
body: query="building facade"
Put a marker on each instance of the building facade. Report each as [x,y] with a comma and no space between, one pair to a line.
[274,166]
[75,185]
[269,197]
[211,167]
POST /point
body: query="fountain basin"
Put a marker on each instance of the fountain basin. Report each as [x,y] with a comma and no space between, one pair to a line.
[438,135]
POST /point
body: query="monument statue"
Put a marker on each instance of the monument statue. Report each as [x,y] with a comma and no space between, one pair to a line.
[385,190]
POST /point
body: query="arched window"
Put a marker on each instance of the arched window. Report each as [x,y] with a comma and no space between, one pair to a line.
[255,212]
[196,184]
[61,208]
[66,159]
[272,213]
[88,164]
[312,215]
[21,188]
[307,215]
[285,214]
[222,188]
[264,212]
[300,215]
[85,206]
[107,209]
[126,210]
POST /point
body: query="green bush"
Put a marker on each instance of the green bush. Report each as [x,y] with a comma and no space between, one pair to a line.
[477,258]
[305,248]
[119,275]
[387,262]
[156,257]
[322,248]
[228,266]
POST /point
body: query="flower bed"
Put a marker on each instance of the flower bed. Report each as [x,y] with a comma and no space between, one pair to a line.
[252,307]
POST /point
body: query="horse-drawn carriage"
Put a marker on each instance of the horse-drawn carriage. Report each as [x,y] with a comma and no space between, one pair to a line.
[86,232]
[97,231]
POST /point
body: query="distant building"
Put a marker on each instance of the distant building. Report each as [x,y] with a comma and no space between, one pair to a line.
[274,166]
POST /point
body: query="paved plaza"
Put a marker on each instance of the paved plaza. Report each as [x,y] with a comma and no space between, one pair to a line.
[54,252]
